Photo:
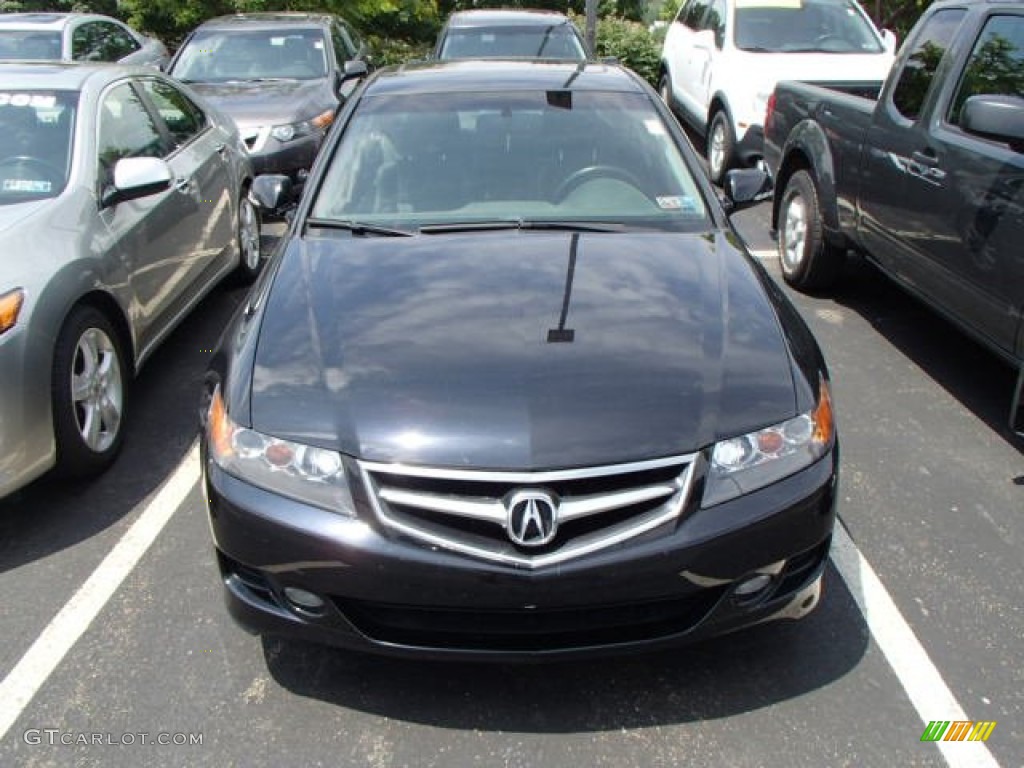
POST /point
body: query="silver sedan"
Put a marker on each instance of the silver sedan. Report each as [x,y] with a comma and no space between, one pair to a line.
[76,37]
[123,200]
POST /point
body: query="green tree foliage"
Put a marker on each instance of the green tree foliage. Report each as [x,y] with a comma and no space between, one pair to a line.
[632,44]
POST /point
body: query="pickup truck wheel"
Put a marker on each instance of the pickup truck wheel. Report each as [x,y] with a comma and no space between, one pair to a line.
[808,261]
[721,146]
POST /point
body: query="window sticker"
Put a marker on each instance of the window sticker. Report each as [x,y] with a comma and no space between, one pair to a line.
[654,127]
[34,186]
[677,203]
[39,100]
[797,4]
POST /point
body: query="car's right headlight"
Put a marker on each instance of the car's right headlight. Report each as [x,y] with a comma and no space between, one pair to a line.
[305,473]
[745,463]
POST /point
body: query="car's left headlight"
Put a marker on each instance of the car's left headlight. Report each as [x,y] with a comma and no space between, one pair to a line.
[290,131]
[745,463]
[302,472]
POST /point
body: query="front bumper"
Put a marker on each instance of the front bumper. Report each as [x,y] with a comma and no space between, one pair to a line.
[750,146]
[284,157]
[391,595]
[27,447]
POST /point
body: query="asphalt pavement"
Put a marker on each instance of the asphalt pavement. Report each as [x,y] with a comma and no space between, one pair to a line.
[932,495]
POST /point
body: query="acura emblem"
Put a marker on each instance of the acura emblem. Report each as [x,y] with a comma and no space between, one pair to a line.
[532,518]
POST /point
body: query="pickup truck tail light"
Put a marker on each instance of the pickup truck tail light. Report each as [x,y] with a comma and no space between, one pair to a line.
[769,112]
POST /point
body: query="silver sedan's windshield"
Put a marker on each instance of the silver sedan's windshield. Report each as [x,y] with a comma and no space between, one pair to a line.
[29,45]
[418,160]
[555,41]
[35,149]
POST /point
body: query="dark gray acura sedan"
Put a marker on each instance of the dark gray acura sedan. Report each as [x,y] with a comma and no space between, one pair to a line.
[512,388]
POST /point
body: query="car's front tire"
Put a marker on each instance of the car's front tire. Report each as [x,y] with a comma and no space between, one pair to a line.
[248,239]
[665,89]
[720,147]
[89,392]
[807,259]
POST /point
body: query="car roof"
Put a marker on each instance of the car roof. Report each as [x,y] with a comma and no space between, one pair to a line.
[267,20]
[54,21]
[505,18]
[492,75]
[62,75]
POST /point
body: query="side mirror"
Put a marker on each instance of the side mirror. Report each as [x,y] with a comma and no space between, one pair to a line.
[995,117]
[271,191]
[136,177]
[745,186]
[889,40]
[353,70]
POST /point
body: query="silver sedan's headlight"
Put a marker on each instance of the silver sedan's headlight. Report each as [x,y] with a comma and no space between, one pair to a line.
[302,472]
[291,131]
[745,463]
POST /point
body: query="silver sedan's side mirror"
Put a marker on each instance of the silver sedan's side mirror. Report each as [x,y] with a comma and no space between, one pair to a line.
[136,177]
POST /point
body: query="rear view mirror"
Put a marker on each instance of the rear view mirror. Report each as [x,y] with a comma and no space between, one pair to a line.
[995,117]
[271,191]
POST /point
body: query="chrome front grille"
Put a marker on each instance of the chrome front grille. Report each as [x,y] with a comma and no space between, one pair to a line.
[467,511]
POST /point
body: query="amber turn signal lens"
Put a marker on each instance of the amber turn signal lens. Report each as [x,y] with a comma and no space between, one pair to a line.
[823,426]
[323,120]
[219,427]
[10,307]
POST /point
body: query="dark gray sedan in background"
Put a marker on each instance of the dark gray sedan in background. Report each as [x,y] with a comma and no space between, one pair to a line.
[279,76]
[123,200]
[76,37]
[513,388]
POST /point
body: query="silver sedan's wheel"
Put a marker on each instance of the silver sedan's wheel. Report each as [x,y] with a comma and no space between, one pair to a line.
[97,390]
[251,260]
[89,393]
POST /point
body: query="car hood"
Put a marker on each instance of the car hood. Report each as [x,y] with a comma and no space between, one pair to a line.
[506,351]
[272,102]
[13,215]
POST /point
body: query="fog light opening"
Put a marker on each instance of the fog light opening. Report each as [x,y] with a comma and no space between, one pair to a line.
[752,587]
[303,600]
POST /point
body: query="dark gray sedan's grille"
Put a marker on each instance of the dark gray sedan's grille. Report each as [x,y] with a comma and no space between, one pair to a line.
[467,511]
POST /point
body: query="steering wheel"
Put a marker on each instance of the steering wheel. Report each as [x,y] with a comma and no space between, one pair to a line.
[49,172]
[592,172]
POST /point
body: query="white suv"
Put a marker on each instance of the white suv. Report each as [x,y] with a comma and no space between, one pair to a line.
[722,58]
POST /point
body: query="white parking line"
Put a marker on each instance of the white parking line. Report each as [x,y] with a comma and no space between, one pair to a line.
[763,254]
[917,674]
[60,635]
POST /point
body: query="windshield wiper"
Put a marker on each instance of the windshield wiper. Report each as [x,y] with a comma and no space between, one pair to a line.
[484,226]
[358,228]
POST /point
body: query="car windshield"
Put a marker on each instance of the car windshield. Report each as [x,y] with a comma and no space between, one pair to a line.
[414,160]
[227,55]
[796,26]
[555,41]
[29,45]
[35,154]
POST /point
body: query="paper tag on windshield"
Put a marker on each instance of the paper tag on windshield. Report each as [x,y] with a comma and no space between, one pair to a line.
[26,185]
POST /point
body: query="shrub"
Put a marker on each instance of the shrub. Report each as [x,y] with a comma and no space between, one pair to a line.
[632,44]
[392,50]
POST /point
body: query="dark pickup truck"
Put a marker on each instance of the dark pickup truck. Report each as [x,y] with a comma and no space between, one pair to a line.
[927,182]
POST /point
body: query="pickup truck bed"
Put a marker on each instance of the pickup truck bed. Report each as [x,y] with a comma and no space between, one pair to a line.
[927,181]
